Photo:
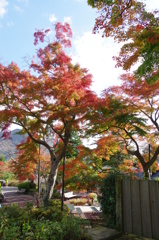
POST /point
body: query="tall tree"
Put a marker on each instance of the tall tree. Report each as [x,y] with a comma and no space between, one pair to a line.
[24,165]
[128,20]
[84,172]
[5,171]
[50,103]
[129,114]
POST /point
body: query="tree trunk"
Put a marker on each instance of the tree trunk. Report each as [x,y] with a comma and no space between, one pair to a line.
[51,180]
[146,171]
[55,160]
[145,165]
[146,174]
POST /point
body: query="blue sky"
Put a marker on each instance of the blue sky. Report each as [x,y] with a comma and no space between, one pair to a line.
[20,18]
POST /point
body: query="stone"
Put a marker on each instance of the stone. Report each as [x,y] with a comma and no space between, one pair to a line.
[103,233]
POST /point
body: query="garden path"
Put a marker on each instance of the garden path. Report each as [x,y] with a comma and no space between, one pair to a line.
[19,198]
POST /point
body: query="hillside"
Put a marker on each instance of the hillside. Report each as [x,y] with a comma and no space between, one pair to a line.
[8,147]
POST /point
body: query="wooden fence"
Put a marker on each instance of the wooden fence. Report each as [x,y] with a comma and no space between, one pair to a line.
[137,207]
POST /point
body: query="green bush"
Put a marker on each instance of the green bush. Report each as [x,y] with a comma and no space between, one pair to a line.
[57,204]
[53,202]
[74,228]
[40,223]
[11,211]
[108,199]
[29,204]
[69,228]
[24,185]
[27,186]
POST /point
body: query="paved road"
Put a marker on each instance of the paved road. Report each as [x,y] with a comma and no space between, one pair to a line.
[12,196]
[9,189]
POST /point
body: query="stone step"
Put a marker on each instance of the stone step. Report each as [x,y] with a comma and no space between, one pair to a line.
[103,233]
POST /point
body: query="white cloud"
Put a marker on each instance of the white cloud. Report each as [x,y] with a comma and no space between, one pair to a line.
[18,9]
[95,53]
[3,4]
[151,5]
[52,18]
[68,20]
[10,24]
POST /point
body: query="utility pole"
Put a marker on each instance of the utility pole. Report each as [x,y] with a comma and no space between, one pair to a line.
[63,183]
[39,173]
[149,161]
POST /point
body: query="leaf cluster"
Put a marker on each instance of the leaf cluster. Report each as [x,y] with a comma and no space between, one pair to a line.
[129,21]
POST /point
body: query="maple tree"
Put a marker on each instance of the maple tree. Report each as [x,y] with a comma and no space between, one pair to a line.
[2,165]
[87,170]
[128,20]
[114,157]
[128,114]
[49,103]
[5,171]
[83,172]
[24,165]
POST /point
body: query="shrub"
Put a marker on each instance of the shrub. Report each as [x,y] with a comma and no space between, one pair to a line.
[11,232]
[72,201]
[108,199]
[24,185]
[40,223]
[73,228]
[57,204]
[29,205]
[27,186]
[54,203]
[83,200]
[78,201]
[92,196]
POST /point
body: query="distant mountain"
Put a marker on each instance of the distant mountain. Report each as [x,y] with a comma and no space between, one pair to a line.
[8,146]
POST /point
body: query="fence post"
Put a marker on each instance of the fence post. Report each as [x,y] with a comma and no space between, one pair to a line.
[118,190]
